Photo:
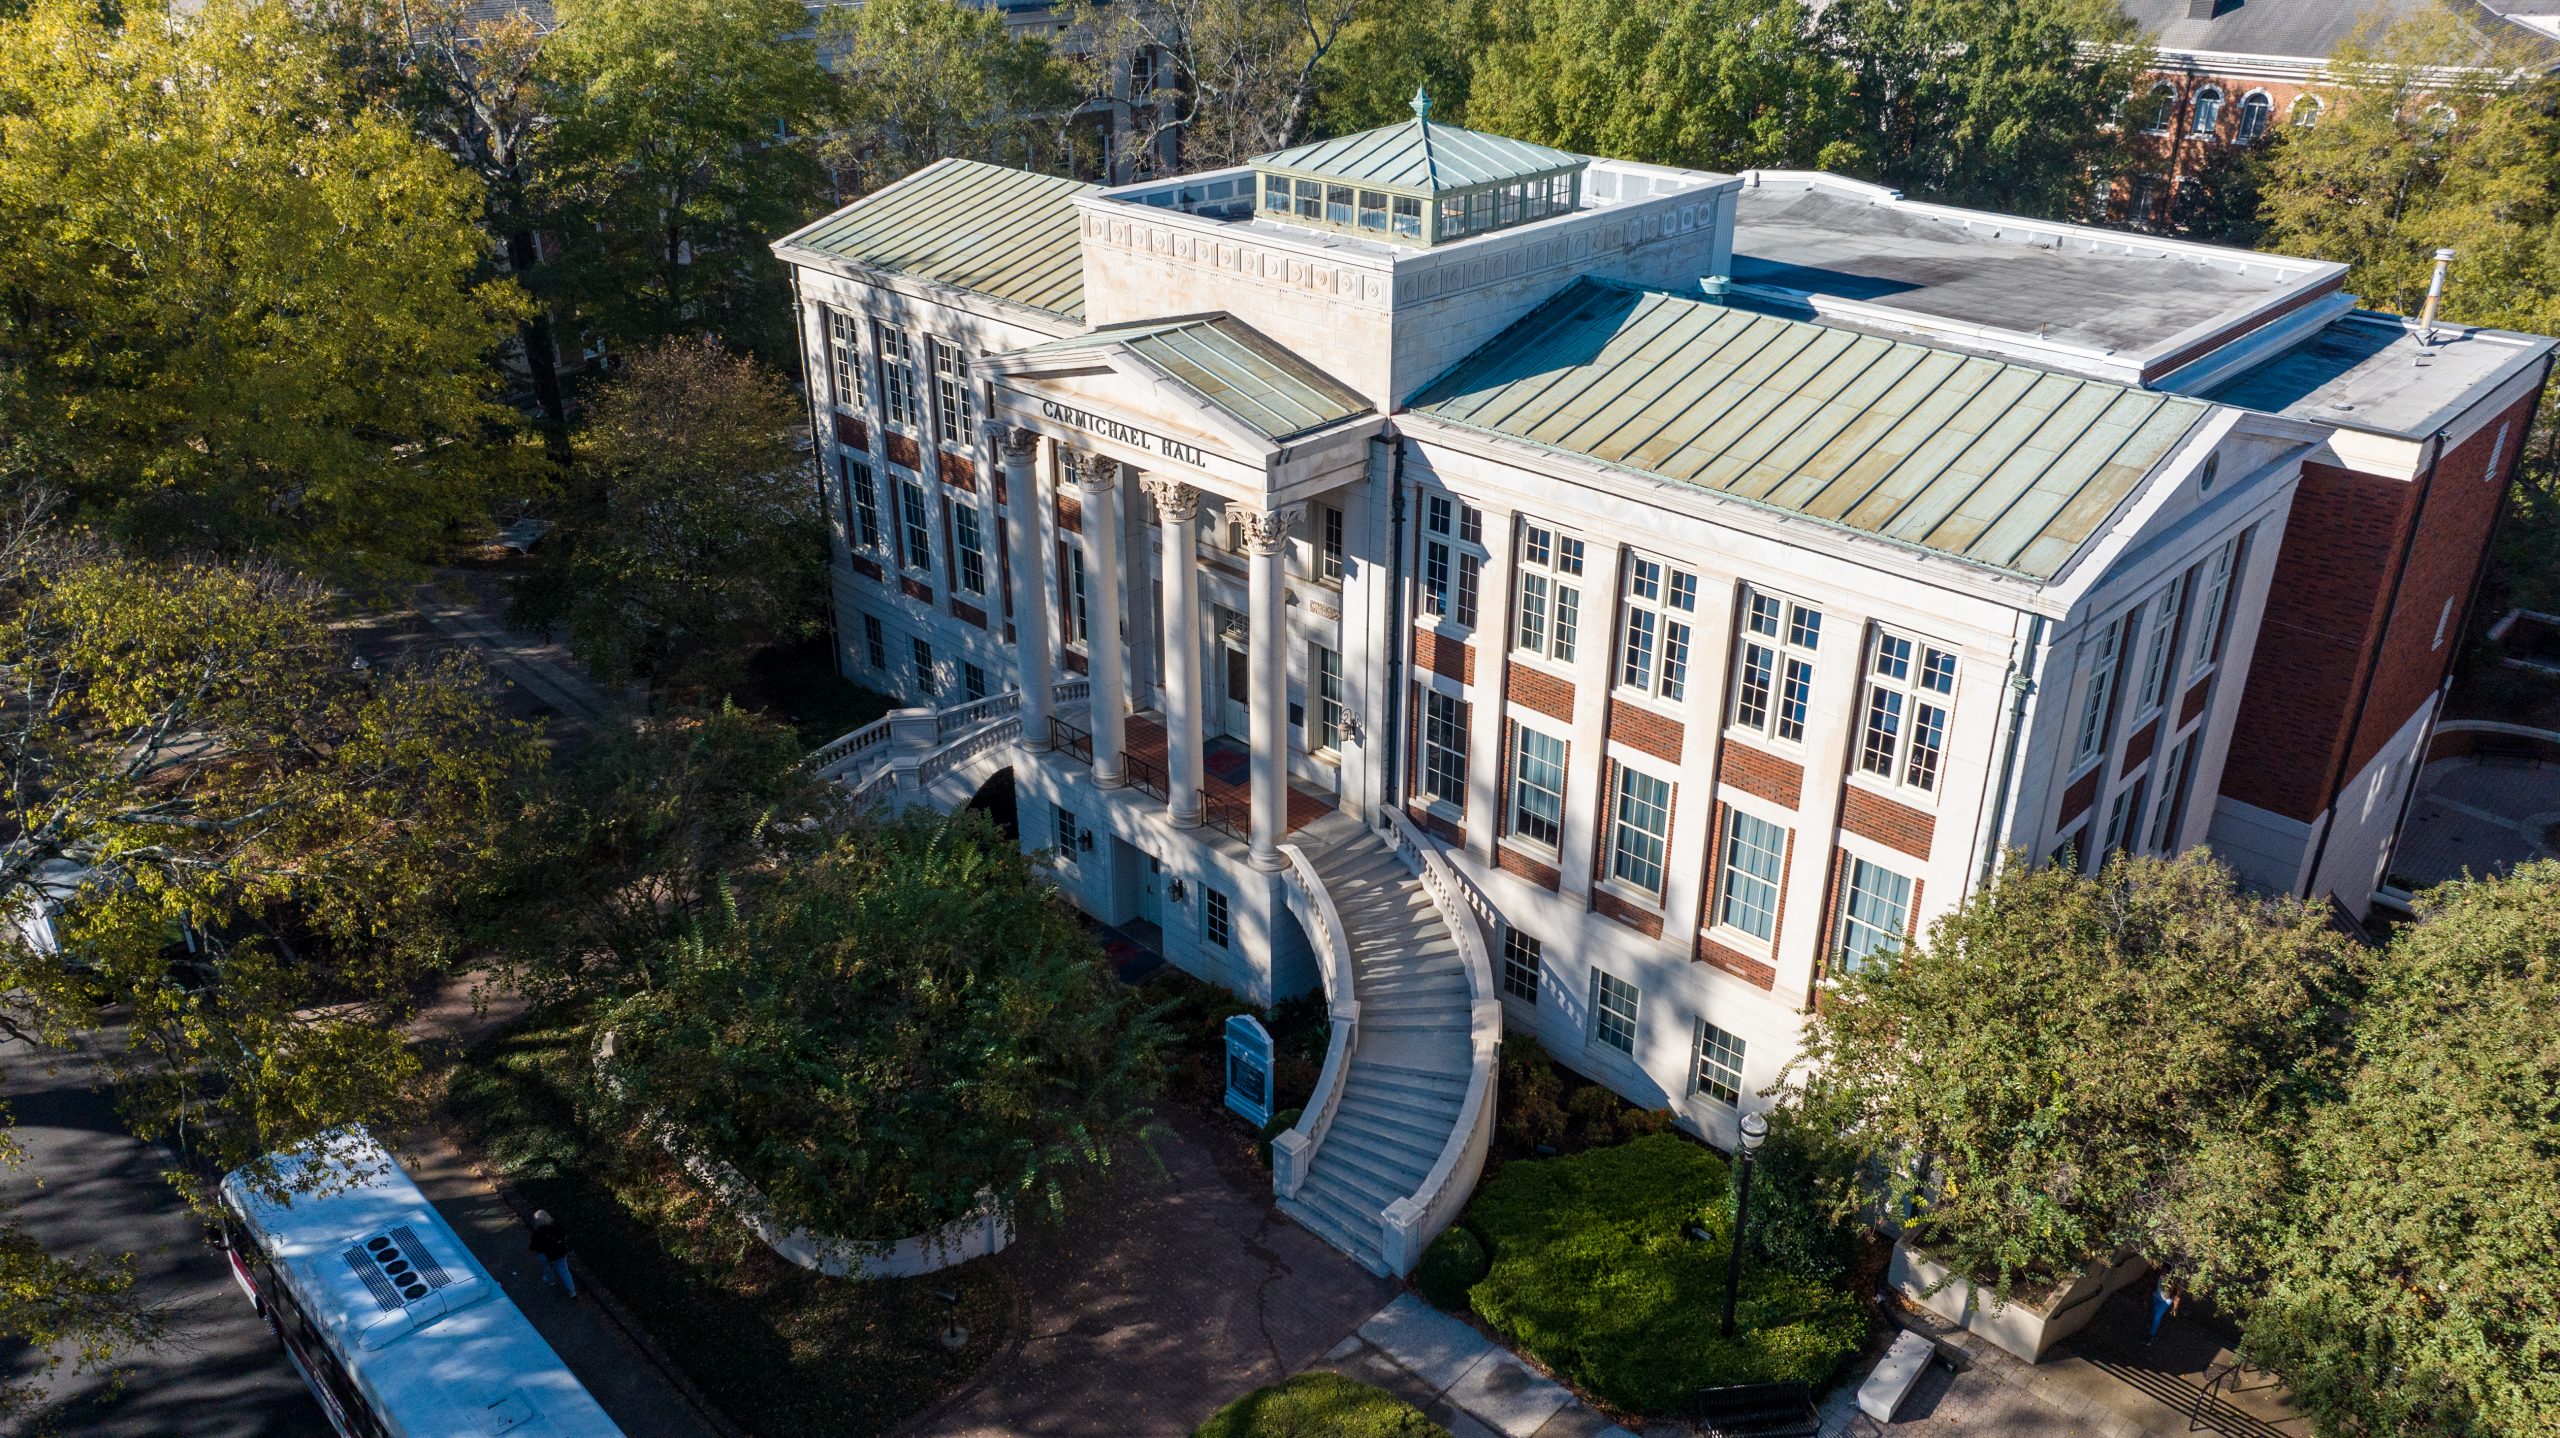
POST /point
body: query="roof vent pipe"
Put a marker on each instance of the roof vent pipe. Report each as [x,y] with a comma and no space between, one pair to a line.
[2435,298]
[1716,289]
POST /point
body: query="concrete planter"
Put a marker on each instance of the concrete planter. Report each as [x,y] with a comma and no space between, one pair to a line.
[2028,1330]
[985,1230]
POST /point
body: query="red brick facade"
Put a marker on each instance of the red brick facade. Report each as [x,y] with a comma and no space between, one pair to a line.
[1740,965]
[2341,665]
[957,471]
[1545,693]
[1766,776]
[1899,827]
[901,450]
[2139,747]
[1642,920]
[2077,799]
[916,589]
[1520,865]
[1070,514]
[1443,655]
[1641,728]
[852,433]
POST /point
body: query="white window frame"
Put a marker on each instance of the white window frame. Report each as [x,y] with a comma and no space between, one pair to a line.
[875,642]
[1453,557]
[862,487]
[1739,889]
[915,524]
[1329,526]
[1444,763]
[1546,618]
[2204,123]
[1512,811]
[844,360]
[1217,919]
[969,538]
[973,681]
[1330,707]
[2247,134]
[1635,798]
[1523,965]
[2097,701]
[2221,572]
[2124,816]
[1905,712]
[896,350]
[2159,661]
[928,672]
[955,408]
[1774,656]
[1657,627]
[1065,830]
[1715,1068]
[1610,1027]
[1853,925]
[1079,612]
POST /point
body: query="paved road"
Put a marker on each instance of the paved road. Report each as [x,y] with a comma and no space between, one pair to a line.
[87,1186]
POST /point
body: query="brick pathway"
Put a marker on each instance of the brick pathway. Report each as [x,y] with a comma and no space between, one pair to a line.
[1174,1293]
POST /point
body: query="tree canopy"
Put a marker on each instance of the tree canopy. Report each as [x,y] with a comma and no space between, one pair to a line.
[243,306]
[929,79]
[2080,1059]
[879,1036]
[691,532]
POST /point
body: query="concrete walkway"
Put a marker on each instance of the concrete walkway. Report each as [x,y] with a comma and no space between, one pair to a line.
[1466,1382]
[1176,1292]
[2481,816]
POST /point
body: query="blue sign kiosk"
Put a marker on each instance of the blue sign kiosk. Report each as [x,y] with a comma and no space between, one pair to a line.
[1249,1068]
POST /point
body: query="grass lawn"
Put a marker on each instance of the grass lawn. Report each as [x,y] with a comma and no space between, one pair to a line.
[1319,1405]
[781,1351]
[1593,1275]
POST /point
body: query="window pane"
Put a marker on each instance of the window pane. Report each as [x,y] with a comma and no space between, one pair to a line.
[1444,747]
[1719,1063]
[1754,851]
[1521,961]
[1613,1011]
[1875,916]
[1643,829]
[1537,788]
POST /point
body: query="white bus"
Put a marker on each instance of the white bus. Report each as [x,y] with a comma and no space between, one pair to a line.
[397,1328]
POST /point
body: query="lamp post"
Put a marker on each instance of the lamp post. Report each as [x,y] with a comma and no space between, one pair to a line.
[1754,1129]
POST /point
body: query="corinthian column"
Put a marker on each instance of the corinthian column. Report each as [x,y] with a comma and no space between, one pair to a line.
[1267,536]
[1097,482]
[1177,512]
[1020,449]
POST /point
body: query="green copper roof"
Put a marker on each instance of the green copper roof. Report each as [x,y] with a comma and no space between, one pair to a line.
[1235,367]
[1419,155]
[1006,233]
[1997,464]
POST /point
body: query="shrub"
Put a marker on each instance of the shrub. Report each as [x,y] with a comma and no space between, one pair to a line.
[1319,1405]
[1454,1263]
[1804,1191]
[1528,1104]
[1592,1274]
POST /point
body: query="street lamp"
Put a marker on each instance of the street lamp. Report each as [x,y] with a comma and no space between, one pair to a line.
[1754,1129]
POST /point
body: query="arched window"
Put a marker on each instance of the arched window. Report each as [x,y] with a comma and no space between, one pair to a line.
[2158,109]
[2306,112]
[2208,115]
[2256,111]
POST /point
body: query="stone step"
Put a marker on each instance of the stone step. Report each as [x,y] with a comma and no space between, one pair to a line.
[1387,1126]
[1323,1225]
[1388,1020]
[1353,1182]
[1420,986]
[1430,1081]
[1352,1215]
[1425,1115]
[1400,1164]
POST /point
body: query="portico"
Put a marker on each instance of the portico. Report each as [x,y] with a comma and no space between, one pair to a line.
[1135,432]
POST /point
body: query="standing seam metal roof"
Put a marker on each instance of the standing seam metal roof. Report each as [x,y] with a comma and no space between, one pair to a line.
[1234,367]
[2002,465]
[1007,233]
[1419,155]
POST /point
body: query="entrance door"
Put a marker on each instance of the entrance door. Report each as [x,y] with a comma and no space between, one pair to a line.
[1235,685]
[1151,891]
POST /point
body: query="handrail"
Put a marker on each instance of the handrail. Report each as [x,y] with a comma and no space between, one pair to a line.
[835,751]
[1323,923]
[1436,1200]
[951,756]
[948,724]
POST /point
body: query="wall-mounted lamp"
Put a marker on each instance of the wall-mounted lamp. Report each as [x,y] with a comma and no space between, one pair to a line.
[1176,891]
[1350,728]
[1084,840]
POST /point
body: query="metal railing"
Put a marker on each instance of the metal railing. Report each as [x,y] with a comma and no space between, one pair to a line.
[1146,774]
[1230,816]
[1314,910]
[1410,1223]
[1071,740]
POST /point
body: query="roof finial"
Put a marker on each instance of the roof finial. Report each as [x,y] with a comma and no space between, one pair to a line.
[1421,104]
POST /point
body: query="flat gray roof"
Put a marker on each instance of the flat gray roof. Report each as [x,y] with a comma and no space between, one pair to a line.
[2373,372]
[2122,294]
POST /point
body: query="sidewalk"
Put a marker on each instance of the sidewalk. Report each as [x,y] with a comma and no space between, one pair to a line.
[1463,1380]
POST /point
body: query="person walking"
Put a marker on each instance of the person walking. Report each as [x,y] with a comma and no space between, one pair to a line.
[551,1244]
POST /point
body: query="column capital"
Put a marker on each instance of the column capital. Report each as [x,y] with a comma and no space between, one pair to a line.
[1266,531]
[1016,441]
[1176,501]
[1095,473]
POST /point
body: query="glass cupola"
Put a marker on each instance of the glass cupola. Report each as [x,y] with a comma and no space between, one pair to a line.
[1417,183]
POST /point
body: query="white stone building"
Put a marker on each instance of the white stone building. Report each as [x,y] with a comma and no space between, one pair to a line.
[1517,590]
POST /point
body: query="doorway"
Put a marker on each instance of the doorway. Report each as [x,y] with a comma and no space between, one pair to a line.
[1235,688]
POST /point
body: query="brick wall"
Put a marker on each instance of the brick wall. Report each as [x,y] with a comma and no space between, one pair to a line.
[1642,920]
[901,450]
[2139,747]
[957,471]
[852,433]
[1542,692]
[1780,781]
[1641,728]
[1070,514]
[2077,799]
[1520,865]
[1441,654]
[1896,826]
[1740,965]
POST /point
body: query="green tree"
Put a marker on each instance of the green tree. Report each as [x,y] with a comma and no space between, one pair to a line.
[931,79]
[77,1314]
[257,846]
[2005,104]
[242,307]
[1233,78]
[2424,142]
[686,140]
[1723,84]
[2074,1056]
[878,1036]
[1391,49]
[2410,1279]
[692,533]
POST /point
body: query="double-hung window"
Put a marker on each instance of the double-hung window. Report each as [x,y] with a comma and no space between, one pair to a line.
[1773,665]
[1749,866]
[1613,1010]
[968,532]
[2217,598]
[1522,958]
[1909,686]
[1452,564]
[844,355]
[1537,787]
[1079,627]
[2161,653]
[1640,830]
[1550,613]
[897,352]
[973,682]
[1325,666]
[1067,832]
[1444,747]
[1875,913]
[1661,604]
[954,410]
[1217,918]
[2097,705]
[915,526]
[1719,1074]
[927,681]
[2124,818]
[2170,804]
[1329,542]
[875,642]
[861,502]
